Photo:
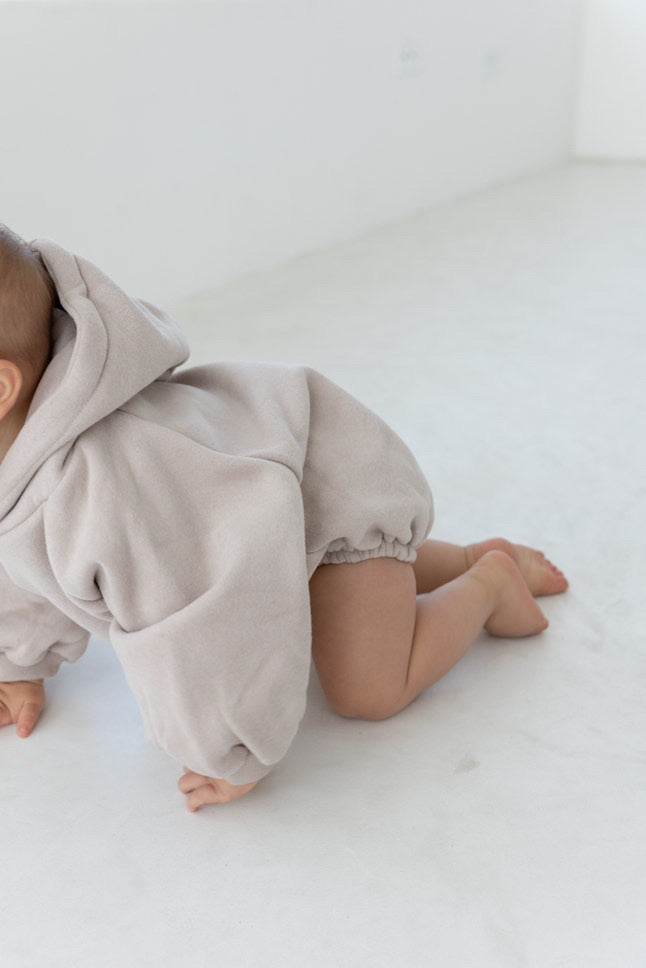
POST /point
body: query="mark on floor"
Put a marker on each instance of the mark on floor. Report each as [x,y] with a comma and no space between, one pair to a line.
[466,765]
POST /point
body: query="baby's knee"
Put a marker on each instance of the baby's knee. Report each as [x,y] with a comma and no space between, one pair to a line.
[360,704]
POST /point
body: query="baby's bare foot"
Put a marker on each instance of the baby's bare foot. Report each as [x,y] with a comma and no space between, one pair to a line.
[541,576]
[515,613]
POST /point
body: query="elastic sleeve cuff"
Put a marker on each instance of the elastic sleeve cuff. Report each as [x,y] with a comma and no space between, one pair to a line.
[47,667]
[250,771]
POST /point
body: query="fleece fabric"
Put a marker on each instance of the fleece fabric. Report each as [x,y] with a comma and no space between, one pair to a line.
[179,514]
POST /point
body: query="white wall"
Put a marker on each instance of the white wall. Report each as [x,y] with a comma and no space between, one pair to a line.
[612,109]
[181,144]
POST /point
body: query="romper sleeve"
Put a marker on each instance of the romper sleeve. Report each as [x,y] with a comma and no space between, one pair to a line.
[200,560]
[35,637]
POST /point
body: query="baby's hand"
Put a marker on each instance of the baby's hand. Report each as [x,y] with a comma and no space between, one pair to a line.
[201,790]
[21,703]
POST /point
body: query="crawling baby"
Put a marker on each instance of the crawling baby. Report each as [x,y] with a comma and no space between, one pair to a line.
[220,526]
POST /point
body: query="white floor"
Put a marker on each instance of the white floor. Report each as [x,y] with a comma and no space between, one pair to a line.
[499,821]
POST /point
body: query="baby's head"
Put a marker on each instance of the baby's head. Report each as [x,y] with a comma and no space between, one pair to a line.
[27,296]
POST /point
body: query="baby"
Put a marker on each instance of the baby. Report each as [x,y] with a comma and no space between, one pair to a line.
[219,525]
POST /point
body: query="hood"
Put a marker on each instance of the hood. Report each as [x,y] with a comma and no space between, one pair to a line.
[106,348]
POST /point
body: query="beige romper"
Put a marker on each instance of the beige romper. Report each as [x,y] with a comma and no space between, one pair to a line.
[179,514]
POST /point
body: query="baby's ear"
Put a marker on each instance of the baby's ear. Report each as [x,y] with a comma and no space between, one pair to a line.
[10,386]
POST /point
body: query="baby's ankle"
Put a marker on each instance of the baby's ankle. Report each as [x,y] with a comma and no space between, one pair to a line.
[494,570]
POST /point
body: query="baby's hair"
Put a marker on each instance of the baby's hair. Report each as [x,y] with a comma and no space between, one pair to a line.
[27,297]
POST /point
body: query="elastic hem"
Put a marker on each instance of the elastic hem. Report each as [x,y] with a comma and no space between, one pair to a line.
[45,669]
[387,549]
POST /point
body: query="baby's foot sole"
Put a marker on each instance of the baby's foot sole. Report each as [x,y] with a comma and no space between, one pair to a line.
[541,576]
[515,613]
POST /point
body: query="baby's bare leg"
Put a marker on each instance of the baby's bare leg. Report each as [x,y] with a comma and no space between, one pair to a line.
[439,562]
[376,645]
